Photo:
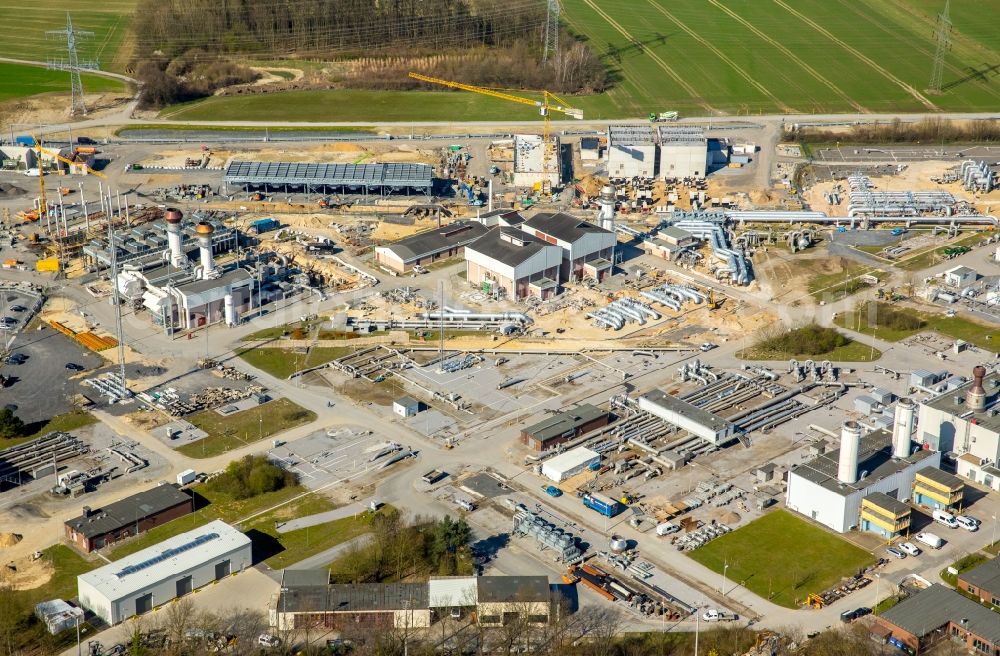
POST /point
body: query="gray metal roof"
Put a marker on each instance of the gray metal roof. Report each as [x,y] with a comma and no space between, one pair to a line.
[517,247]
[334,175]
[676,233]
[682,136]
[942,477]
[630,135]
[513,588]
[567,420]
[129,510]
[406,401]
[933,608]
[692,412]
[985,577]
[562,226]
[874,457]
[305,578]
[884,501]
[203,285]
[353,597]
[431,242]
[946,402]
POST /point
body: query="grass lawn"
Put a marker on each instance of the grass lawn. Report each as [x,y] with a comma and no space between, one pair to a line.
[982,335]
[275,549]
[21,81]
[242,428]
[932,256]
[282,363]
[851,352]
[971,561]
[831,287]
[814,559]
[127,130]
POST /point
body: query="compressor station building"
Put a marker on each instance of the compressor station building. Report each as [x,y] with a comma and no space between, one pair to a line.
[366,179]
[173,568]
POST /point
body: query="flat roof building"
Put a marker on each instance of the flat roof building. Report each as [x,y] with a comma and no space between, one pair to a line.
[429,246]
[99,527]
[535,163]
[383,179]
[170,569]
[884,515]
[631,151]
[562,426]
[699,422]
[560,467]
[683,152]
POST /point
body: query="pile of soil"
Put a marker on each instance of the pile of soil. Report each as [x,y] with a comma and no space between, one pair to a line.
[10,191]
[9,539]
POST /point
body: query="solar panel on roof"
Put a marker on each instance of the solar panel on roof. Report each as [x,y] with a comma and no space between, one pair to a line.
[166,554]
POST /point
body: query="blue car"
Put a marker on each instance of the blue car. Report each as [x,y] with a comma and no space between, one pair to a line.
[553,491]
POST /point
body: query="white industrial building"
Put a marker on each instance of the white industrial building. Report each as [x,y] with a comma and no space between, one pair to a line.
[829,488]
[570,463]
[960,276]
[683,152]
[509,262]
[173,568]
[588,251]
[535,163]
[631,151]
[966,422]
[699,422]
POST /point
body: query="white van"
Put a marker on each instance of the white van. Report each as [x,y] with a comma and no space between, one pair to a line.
[945,518]
[931,540]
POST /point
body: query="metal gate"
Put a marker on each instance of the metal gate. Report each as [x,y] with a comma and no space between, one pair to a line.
[183,586]
[144,604]
[222,570]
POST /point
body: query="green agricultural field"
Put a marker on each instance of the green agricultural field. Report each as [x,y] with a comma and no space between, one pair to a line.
[25,25]
[704,57]
[20,81]
[814,558]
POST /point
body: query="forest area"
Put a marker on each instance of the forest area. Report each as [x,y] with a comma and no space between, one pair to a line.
[186,49]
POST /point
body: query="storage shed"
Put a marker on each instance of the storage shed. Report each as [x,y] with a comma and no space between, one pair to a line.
[567,464]
[406,406]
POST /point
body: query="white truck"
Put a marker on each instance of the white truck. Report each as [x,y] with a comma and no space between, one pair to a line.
[666,528]
[715,615]
[931,540]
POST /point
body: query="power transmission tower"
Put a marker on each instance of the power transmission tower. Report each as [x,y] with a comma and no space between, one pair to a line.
[551,30]
[943,45]
[73,64]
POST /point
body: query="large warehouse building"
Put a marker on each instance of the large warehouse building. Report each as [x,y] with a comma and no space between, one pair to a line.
[509,262]
[962,421]
[631,151]
[99,527]
[173,568]
[683,152]
[381,179]
[429,246]
[832,488]
[588,251]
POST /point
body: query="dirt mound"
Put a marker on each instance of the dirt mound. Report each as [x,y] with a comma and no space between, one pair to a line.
[10,191]
[760,197]
[9,539]
[729,517]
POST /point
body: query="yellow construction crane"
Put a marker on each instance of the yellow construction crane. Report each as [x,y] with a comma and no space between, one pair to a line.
[545,106]
[42,203]
[64,160]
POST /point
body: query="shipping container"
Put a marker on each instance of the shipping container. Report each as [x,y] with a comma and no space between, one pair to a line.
[602,504]
[186,477]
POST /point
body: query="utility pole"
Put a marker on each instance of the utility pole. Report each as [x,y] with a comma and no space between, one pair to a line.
[73,64]
[551,30]
[943,46]
[116,298]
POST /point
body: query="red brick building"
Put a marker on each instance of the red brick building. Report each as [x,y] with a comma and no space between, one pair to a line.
[983,582]
[939,613]
[97,528]
[563,426]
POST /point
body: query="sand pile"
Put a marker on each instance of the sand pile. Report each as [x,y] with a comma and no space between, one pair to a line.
[10,191]
[9,539]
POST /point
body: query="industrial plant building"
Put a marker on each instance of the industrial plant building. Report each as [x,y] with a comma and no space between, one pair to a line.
[966,422]
[180,295]
[935,614]
[173,568]
[146,246]
[563,426]
[307,599]
[588,251]
[631,152]
[688,417]
[366,179]
[508,262]
[430,246]
[683,152]
[100,527]
[536,164]
[839,488]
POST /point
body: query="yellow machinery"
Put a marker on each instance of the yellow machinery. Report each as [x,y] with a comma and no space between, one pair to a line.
[42,203]
[545,107]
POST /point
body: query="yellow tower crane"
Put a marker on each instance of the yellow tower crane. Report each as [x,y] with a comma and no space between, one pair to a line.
[545,106]
[42,204]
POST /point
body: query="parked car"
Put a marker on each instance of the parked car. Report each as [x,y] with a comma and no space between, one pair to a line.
[910,548]
[945,518]
[17,308]
[16,358]
[968,523]
[893,551]
[268,640]
[707,346]
[931,540]
[553,491]
[72,366]
[849,616]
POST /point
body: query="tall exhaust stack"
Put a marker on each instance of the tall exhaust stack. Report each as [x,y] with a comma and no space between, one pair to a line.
[173,218]
[902,428]
[977,395]
[606,202]
[204,232]
[850,444]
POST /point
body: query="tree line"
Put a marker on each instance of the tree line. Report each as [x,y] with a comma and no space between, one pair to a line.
[927,131]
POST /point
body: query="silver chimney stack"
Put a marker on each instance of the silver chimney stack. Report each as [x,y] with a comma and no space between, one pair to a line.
[204,232]
[902,428]
[173,218]
[850,444]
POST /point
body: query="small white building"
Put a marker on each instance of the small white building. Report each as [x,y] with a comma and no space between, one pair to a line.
[565,465]
[631,151]
[509,262]
[406,406]
[683,152]
[960,276]
[173,568]
[534,163]
[699,422]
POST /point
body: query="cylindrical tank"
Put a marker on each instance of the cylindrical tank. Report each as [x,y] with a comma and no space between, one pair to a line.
[850,444]
[977,394]
[230,307]
[618,544]
[902,428]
